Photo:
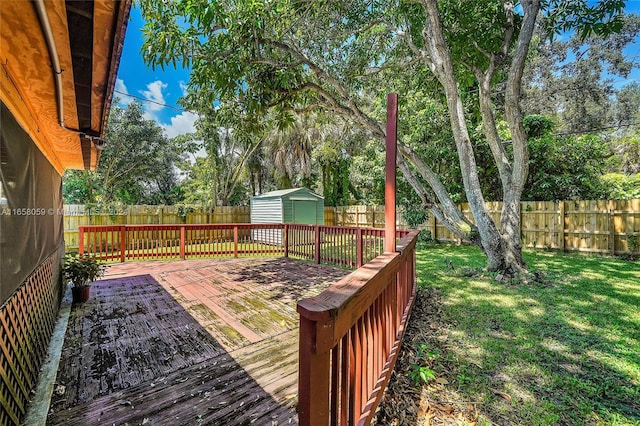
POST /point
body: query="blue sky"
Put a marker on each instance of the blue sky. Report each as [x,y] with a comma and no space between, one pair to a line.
[167,86]
[161,86]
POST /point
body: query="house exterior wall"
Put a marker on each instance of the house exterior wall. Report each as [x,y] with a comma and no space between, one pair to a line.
[31,218]
[31,251]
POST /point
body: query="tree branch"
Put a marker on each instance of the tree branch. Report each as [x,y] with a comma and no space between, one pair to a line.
[427,200]
[452,212]
[333,82]
[513,92]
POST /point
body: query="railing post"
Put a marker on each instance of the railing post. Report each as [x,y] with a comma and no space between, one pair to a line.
[313,377]
[81,240]
[235,241]
[123,241]
[285,237]
[183,233]
[359,261]
[317,254]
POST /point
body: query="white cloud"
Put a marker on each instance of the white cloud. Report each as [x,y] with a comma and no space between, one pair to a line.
[149,116]
[120,87]
[154,94]
[181,124]
[183,87]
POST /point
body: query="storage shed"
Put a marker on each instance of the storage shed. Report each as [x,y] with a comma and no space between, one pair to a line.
[295,205]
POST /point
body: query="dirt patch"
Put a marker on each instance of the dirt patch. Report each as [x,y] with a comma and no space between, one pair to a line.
[408,399]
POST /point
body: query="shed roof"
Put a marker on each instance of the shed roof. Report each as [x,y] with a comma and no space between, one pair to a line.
[283,192]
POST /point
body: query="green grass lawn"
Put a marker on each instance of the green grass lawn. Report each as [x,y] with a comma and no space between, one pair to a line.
[565,350]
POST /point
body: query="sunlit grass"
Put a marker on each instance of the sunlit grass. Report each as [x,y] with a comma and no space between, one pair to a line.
[566,350]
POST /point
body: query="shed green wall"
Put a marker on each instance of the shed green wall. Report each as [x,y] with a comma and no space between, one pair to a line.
[303,194]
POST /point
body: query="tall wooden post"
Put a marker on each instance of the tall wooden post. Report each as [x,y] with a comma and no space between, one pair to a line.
[183,234]
[390,180]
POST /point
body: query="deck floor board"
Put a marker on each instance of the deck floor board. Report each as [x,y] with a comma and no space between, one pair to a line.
[203,342]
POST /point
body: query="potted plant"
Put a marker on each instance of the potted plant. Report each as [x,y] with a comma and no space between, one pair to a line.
[81,270]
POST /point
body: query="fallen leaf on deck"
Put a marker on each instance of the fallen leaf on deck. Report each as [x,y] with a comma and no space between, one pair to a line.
[126,403]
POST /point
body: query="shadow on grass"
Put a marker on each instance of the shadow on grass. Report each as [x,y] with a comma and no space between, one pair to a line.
[567,352]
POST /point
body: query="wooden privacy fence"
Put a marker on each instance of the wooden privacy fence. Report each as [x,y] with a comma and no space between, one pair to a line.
[76,215]
[358,215]
[600,226]
[350,335]
[350,247]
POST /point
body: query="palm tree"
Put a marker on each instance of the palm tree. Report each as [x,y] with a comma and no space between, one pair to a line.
[290,149]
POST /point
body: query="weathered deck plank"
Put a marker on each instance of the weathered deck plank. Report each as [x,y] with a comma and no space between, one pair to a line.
[196,342]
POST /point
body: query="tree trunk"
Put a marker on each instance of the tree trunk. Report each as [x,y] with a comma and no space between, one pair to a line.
[510,224]
[503,246]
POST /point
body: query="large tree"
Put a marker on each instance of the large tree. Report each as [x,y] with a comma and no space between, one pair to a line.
[136,166]
[342,56]
[220,158]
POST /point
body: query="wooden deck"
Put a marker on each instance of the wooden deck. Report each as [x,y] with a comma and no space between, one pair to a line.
[199,342]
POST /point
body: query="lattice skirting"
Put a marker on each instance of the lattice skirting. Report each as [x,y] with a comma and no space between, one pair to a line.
[27,320]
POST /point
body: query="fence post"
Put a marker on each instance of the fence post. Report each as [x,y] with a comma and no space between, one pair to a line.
[373,216]
[182,242]
[235,241]
[123,241]
[285,237]
[81,240]
[612,228]
[359,261]
[563,228]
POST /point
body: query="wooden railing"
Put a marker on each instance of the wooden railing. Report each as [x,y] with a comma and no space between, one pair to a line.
[335,245]
[350,335]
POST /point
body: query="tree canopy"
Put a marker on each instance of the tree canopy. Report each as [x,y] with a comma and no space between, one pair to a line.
[463,60]
[137,164]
